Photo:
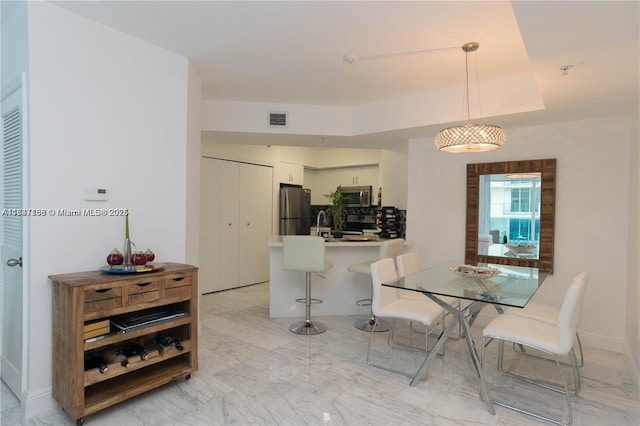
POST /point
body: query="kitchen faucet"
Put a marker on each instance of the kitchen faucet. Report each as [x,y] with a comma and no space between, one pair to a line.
[321,212]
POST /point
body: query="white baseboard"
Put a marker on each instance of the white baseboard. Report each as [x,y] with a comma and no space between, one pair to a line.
[632,365]
[37,403]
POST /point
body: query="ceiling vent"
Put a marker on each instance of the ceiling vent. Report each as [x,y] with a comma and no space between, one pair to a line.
[277,119]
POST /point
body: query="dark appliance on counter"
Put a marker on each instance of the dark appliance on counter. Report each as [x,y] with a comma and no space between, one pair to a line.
[295,210]
[357,223]
[357,196]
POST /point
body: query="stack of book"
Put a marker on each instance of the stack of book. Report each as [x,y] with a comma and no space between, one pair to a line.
[97,328]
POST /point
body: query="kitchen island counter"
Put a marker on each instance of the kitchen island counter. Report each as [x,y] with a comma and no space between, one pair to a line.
[339,290]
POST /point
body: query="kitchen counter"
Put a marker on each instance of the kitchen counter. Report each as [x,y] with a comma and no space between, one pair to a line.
[276,241]
[339,290]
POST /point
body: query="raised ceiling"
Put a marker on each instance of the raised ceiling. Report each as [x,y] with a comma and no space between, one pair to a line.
[291,52]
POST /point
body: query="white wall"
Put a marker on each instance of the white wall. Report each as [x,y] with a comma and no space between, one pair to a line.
[192,187]
[13,42]
[632,334]
[592,211]
[107,110]
[394,177]
[254,117]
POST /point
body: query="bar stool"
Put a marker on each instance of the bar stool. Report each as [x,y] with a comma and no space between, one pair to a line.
[305,254]
[389,248]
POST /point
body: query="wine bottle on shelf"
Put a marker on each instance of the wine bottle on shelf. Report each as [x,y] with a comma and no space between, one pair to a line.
[92,361]
[163,340]
[131,349]
[111,355]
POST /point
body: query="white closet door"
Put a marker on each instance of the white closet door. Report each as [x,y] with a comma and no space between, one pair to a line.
[229,225]
[256,195]
[11,244]
[218,225]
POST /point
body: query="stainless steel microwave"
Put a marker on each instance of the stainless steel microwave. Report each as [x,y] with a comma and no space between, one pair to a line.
[357,196]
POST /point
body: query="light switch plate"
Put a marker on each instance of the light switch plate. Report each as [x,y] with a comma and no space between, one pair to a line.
[95,194]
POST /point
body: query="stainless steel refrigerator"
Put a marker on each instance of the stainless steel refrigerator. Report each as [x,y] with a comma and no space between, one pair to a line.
[295,210]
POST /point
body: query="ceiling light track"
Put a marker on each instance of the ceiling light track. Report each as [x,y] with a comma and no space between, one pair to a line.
[350,58]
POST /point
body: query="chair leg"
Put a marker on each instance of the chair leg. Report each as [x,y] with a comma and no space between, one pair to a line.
[307,326]
[370,350]
[576,371]
[575,367]
[391,332]
[367,324]
[520,410]
[566,388]
[580,347]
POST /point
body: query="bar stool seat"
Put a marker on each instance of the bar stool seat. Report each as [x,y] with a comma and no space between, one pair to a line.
[305,254]
[389,248]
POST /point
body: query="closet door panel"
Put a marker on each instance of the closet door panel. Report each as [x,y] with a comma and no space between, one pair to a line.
[229,226]
[255,226]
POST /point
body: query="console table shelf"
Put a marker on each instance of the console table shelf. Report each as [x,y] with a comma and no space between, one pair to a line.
[170,346]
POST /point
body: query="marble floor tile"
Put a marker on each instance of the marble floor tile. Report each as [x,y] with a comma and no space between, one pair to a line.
[253,371]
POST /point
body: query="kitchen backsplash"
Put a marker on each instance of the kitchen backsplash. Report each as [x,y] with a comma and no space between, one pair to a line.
[393,221]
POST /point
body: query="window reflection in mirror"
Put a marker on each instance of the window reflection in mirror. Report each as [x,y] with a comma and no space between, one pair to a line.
[504,201]
[509,215]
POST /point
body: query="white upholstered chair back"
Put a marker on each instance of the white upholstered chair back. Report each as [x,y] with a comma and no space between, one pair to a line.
[303,253]
[391,248]
[571,312]
[383,270]
[407,263]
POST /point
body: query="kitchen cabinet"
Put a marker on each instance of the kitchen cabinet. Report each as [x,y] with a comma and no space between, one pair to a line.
[235,224]
[84,298]
[326,180]
[291,173]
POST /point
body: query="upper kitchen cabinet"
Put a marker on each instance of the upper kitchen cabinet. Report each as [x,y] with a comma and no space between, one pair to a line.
[291,173]
[326,180]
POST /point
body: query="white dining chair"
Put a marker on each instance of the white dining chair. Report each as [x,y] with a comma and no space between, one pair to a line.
[388,248]
[385,303]
[554,339]
[546,313]
[407,264]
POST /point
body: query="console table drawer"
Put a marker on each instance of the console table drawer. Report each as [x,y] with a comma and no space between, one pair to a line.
[102,299]
[143,292]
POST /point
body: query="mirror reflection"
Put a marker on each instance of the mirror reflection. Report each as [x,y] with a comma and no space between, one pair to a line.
[509,215]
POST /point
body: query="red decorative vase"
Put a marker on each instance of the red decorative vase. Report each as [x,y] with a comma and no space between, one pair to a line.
[115,257]
[138,258]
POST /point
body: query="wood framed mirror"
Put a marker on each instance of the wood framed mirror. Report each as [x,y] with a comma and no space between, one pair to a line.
[531,196]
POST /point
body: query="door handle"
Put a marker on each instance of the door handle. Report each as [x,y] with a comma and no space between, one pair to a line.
[15,262]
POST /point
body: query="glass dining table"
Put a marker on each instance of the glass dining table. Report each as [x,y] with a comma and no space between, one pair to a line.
[482,284]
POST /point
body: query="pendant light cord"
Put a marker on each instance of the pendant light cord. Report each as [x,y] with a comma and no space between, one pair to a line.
[466,73]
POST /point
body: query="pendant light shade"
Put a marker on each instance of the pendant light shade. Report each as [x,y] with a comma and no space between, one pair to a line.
[470,137]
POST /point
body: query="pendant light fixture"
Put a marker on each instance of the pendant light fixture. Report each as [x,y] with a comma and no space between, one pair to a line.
[470,137]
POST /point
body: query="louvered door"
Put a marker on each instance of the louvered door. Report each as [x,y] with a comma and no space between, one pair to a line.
[11,244]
